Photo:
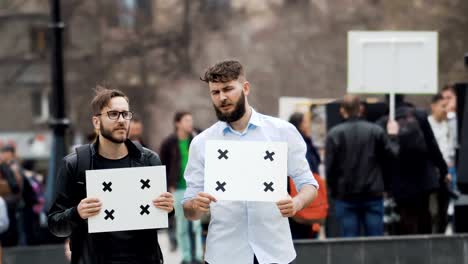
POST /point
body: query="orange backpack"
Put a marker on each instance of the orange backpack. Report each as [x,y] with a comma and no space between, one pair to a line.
[317,211]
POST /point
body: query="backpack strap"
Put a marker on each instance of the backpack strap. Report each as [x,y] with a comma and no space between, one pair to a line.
[83,158]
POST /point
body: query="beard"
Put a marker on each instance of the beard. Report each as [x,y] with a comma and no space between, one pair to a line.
[236,114]
[107,134]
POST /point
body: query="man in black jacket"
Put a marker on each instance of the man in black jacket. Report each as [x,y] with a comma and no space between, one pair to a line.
[419,170]
[71,208]
[355,153]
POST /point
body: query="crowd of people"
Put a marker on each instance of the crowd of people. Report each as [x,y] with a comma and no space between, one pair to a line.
[409,160]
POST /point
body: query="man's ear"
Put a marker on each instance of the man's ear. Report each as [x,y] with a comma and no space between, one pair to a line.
[342,112]
[246,87]
[96,123]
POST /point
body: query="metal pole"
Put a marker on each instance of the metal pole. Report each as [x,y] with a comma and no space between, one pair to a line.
[392,106]
[58,122]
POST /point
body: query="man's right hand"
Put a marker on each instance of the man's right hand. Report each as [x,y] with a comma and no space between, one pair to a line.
[89,207]
[392,127]
[202,202]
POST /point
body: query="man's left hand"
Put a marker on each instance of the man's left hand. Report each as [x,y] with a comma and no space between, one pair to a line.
[289,207]
[165,202]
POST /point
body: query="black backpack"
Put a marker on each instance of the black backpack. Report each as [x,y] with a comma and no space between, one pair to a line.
[410,136]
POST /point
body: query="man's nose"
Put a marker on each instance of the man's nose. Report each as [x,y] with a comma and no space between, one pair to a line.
[222,96]
[121,118]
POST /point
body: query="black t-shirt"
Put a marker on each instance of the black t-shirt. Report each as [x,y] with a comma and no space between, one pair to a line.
[136,246]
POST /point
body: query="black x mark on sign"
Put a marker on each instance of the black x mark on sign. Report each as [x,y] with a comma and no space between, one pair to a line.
[145,184]
[269,155]
[222,154]
[268,187]
[144,209]
[220,186]
[109,214]
[107,186]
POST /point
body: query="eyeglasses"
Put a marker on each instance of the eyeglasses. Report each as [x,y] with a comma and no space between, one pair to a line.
[115,115]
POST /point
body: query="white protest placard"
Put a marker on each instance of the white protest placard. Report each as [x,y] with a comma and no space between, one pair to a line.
[402,62]
[126,195]
[246,170]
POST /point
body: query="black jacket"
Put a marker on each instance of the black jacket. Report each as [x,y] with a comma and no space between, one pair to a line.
[355,153]
[170,157]
[413,175]
[70,189]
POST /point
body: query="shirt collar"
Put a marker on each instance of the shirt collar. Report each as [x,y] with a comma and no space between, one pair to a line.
[254,121]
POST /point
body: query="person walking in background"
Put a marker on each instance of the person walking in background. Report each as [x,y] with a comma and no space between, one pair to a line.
[174,154]
[4,223]
[355,154]
[450,96]
[306,223]
[11,190]
[135,132]
[417,172]
[302,124]
[444,137]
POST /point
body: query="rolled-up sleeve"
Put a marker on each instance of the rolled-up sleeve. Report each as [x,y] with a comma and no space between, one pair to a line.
[195,171]
[298,168]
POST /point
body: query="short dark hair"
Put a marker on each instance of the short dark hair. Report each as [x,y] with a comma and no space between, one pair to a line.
[436,98]
[8,148]
[136,119]
[351,104]
[179,115]
[448,87]
[223,72]
[296,119]
[102,97]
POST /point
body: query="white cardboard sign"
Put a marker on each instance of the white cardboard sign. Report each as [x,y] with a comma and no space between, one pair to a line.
[246,170]
[126,195]
[392,62]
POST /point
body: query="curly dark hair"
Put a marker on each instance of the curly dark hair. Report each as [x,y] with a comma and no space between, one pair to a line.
[224,71]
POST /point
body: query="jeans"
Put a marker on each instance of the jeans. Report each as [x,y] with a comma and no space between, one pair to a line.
[183,233]
[368,213]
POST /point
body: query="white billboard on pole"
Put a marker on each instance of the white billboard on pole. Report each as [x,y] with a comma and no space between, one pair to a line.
[392,62]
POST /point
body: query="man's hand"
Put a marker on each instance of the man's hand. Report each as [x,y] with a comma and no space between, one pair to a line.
[392,127]
[202,202]
[289,207]
[448,178]
[165,202]
[89,207]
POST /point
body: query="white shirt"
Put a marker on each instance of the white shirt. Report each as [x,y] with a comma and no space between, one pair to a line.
[4,221]
[444,137]
[240,229]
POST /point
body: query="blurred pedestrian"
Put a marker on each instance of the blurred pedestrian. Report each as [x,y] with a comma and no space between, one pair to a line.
[244,231]
[135,132]
[4,223]
[174,154]
[306,223]
[10,190]
[355,154]
[450,96]
[417,172]
[444,137]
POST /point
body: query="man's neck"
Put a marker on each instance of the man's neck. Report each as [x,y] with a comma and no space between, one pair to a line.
[182,134]
[111,150]
[438,119]
[242,123]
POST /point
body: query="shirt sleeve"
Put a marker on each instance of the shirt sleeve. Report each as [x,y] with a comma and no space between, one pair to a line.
[298,168]
[195,171]
[3,216]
